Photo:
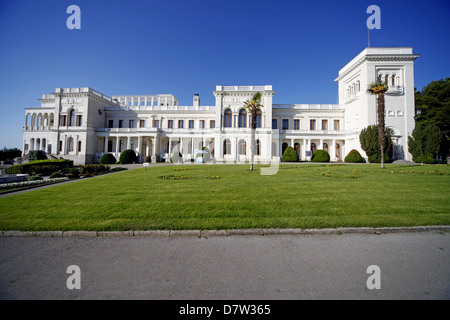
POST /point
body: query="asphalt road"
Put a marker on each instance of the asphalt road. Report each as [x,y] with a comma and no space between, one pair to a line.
[412,266]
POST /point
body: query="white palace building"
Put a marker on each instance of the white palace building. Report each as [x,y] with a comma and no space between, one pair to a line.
[82,124]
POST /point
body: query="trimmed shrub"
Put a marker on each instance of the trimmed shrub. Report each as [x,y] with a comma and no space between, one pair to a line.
[116,169]
[354,157]
[108,158]
[127,157]
[56,175]
[34,178]
[93,168]
[320,156]
[40,166]
[289,155]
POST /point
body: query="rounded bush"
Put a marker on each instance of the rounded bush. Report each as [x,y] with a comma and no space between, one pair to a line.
[289,155]
[127,157]
[354,157]
[56,175]
[34,178]
[320,156]
[108,158]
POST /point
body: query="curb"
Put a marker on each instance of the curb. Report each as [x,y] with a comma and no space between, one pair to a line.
[222,233]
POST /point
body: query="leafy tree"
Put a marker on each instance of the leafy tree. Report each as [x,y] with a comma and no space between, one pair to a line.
[433,106]
[289,155]
[425,142]
[253,106]
[378,89]
[370,143]
[9,154]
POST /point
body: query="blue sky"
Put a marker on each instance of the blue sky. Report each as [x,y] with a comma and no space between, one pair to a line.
[190,46]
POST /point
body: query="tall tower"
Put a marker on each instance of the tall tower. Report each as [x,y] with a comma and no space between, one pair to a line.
[395,66]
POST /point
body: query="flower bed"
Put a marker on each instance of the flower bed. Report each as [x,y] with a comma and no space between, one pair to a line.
[25,184]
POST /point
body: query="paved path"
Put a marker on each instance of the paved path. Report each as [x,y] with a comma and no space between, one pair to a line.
[412,265]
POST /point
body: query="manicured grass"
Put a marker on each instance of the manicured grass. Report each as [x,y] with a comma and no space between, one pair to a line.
[231,196]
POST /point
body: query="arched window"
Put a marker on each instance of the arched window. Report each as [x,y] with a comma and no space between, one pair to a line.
[338,150]
[297,148]
[242,147]
[258,147]
[243,118]
[72,118]
[358,86]
[70,145]
[227,118]
[283,147]
[258,118]
[226,146]
[313,147]
[32,144]
[325,147]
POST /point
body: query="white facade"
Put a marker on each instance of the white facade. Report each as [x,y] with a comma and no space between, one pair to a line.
[82,124]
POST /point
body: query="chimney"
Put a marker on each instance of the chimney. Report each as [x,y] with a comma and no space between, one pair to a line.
[196,102]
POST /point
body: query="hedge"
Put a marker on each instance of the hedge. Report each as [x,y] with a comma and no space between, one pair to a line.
[40,166]
[320,156]
[354,157]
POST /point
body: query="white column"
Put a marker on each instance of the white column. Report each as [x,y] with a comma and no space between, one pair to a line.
[106,145]
[170,147]
[192,146]
[321,145]
[303,153]
[117,145]
[128,142]
[333,150]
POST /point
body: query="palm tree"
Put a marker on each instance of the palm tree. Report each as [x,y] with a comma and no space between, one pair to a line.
[253,106]
[379,88]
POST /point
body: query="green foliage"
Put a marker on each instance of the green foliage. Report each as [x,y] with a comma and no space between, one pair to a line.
[425,142]
[56,175]
[93,168]
[434,105]
[116,169]
[34,178]
[370,143]
[9,154]
[40,166]
[289,155]
[36,155]
[320,156]
[108,158]
[127,157]
[354,157]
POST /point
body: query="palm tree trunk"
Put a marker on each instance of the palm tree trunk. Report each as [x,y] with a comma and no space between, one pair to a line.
[252,138]
[381,125]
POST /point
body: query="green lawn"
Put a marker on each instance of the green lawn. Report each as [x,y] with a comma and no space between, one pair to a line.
[231,196]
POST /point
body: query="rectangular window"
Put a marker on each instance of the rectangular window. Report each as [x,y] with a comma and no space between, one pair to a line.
[274,124]
[202,124]
[63,120]
[120,123]
[79,119]
[296,124]
[155,123]
[324,124]
[212,124]
[142,123]
[79,146]
[170,124]
[111,124]
[337,125]
[131,124]
[312,124]
[191,124]
[285,124]
[180,124]
[60,146]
